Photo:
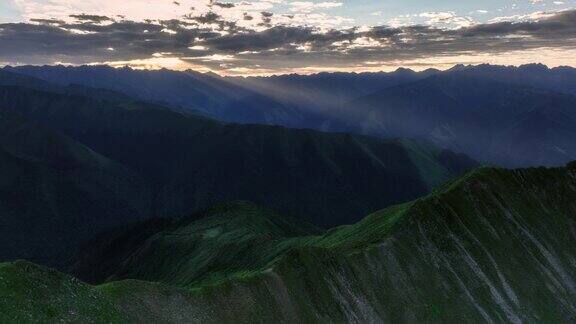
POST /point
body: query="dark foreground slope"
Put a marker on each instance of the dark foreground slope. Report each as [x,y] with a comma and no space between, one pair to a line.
[492,246]
[194,162]
[55,192]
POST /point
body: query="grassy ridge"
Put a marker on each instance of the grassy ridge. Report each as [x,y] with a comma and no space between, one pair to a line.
[231,239]
[492,246]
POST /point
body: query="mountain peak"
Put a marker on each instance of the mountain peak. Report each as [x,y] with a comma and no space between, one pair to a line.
[459,67]
[404,70]
[534,67]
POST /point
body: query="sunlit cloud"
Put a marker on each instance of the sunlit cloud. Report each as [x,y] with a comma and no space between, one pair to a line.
[275,36]
[153,63]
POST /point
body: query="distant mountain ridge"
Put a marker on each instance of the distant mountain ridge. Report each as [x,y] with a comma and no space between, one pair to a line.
[337,102]
[217,97]
[559,79]
[8,78]
[499,122]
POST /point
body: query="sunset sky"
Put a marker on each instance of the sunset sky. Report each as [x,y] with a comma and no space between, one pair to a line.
[279,36]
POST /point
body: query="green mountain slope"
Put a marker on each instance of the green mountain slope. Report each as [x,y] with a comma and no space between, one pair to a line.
[493,246]
[209,246]
[194,163]
[55,192]
[34,294]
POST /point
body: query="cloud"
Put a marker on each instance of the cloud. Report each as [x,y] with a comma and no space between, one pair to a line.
[226,5]
[308,6]
[91,18]
[446,19]
[275,42]
[131,9]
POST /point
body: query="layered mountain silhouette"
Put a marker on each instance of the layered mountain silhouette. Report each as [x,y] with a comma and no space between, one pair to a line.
[218,97]
[502,123]
[164,196]
[492,246]
[559,79]
[507,116]
[73,166]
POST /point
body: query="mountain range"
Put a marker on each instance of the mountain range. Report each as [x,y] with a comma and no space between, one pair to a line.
[503,123]
[133,196]
[439,107]
[96,164]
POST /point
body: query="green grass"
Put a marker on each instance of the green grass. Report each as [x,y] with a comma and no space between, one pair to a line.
[33,294]
[495,245]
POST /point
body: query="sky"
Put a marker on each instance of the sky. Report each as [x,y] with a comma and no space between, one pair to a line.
[262,37]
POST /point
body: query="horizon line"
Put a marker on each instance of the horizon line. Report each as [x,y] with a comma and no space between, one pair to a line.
[247,75]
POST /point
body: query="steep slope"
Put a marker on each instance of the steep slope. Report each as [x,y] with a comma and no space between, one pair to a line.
[492,246]
[193,162]
[495,122]
[55,192]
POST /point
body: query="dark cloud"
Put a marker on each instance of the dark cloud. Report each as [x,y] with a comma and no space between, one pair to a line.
[225,5]
[559,25]
[48,21]
[91,18]
[87,40]
[208,18]
[255,41]
[212,18]
[83,43]
[266,18]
